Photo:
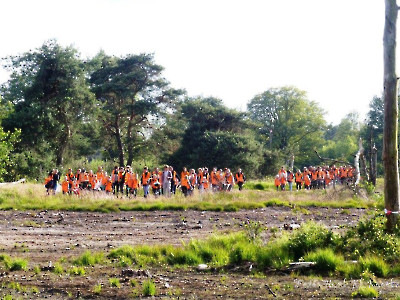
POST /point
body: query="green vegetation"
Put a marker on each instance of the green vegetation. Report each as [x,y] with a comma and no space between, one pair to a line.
[365,292]
[114,282]
[77,271]
[89,259]
[97,288]
[148,288]
[29,197]
[15,264]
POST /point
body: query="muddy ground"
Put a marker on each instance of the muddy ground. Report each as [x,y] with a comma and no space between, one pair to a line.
[44,237]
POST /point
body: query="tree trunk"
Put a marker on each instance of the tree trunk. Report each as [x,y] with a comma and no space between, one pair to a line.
[62,146]
[120,144]
[390,151]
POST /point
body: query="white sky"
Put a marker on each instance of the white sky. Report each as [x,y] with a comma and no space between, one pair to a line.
[224,48]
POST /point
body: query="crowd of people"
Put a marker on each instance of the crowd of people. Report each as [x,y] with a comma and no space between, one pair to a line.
[319,177]
[125,181]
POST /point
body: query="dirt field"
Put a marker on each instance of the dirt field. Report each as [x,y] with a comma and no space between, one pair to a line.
[44,237]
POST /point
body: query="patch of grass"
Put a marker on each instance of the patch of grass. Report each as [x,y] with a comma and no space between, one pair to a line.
[257,194]
[77,271]
[97,289]
[148,288]
[326,261]
[350,270]
[89,259]
[36,270]
[58,268]
[114,282]
[375,265]
[16,264]
[365,292]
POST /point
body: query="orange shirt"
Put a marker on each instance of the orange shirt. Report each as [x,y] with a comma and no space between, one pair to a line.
[109,185]
[299,177]
[64,186]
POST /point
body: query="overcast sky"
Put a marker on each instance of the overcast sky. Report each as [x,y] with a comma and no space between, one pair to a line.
[229,49]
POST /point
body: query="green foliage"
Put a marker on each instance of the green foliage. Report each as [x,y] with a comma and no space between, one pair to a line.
[376,265]
[15,264]
[213,135]
[97,288]
[51,97]
[77,271]
[114,282]
[148,288]
[289,122]
[365,292]
[58,268]
[326,261]
[89,259]
[131,91]
[310,237]
[370,237]
[7,142]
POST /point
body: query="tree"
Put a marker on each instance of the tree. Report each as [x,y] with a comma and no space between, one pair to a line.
[289,122]
[390,139]
[213,135]
[7,141]
[51,97]
[344,142]
[132,94]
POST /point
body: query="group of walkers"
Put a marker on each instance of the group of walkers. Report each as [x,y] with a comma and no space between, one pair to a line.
[125,181]
[314,177]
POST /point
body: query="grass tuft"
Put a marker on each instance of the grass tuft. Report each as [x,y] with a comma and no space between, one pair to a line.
[148,288]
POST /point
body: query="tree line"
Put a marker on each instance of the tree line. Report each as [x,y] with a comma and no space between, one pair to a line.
[58,109]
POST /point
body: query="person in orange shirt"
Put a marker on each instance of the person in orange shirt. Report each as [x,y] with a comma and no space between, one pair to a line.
[78,177]
[174,180]
[283,183]
[121,180]
[214,179]
[71,176]
[100,177]
[104,180]
[109,184]
[299,179]
[240,179]
[205,183]
[48,182]
[290,180]
[185,184]
[145,181]
[307,181]
[75,187]
[277,182]
[65,185]
[85,179]
[155,183]
[229,180]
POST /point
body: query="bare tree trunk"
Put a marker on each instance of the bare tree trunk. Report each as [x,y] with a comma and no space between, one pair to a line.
[62,146]
[120,144]
[390,151]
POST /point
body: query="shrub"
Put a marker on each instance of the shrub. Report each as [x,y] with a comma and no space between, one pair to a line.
[375,265]
[308,238]
[148,288]
[89,259]
[326,260]
[16,264]
[97,288]
[369,236]
[58,269]
[365,292]
[77,271]
[114,282]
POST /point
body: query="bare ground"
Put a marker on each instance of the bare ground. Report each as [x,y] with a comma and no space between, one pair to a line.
[44,237]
